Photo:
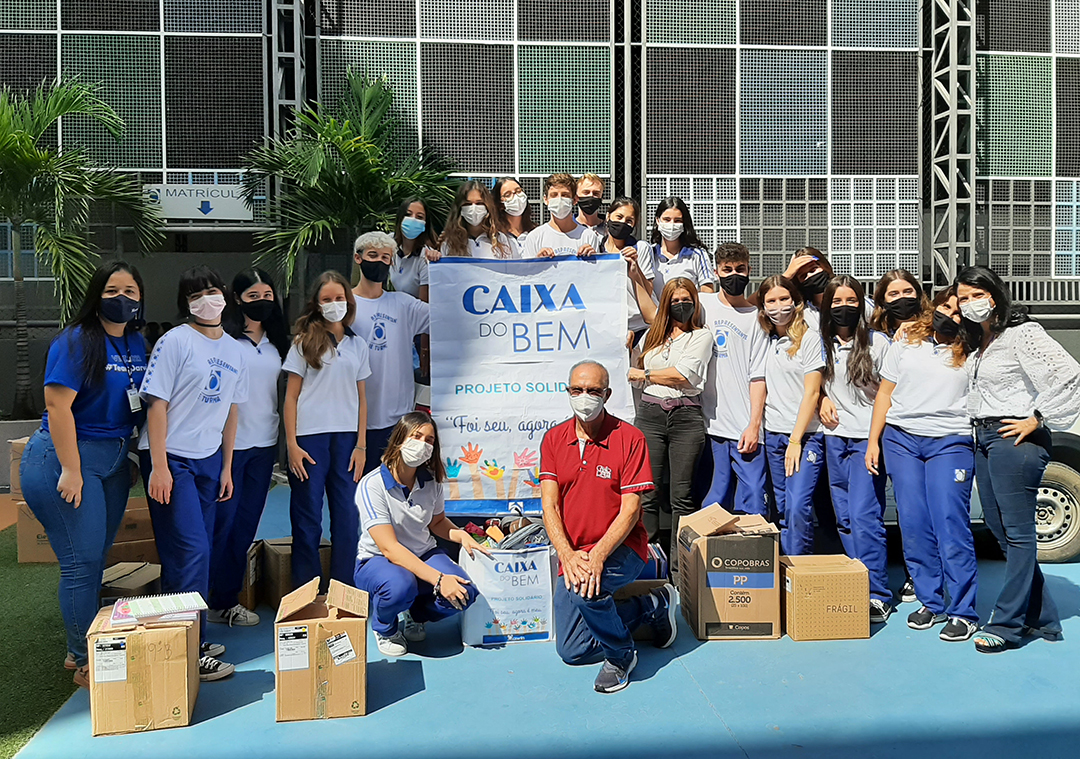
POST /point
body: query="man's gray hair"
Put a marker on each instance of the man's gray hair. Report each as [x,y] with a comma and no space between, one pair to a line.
[374,241]
[590,362]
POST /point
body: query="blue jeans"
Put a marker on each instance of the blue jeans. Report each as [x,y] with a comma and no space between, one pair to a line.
[236,523]
[591,629]
[730,467]
[394,589]
[1009,477]
[80,537]
[184,527]
[932,478]
[795,494]
[858,499]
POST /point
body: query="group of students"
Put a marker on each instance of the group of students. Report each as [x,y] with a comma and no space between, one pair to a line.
[745,400]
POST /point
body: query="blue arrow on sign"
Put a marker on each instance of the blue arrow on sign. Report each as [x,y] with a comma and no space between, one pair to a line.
[205,207]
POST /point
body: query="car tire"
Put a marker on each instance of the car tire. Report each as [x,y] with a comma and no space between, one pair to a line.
[1057,514]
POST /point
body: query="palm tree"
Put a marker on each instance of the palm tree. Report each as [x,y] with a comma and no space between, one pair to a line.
[52,189]
[340,174]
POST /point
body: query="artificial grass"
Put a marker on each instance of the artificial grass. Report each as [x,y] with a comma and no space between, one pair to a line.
[33,680]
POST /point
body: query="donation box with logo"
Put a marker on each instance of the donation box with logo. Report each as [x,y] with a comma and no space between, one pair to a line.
[516,595]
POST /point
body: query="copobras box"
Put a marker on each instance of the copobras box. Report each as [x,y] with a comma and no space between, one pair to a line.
[729,572]
[321,653]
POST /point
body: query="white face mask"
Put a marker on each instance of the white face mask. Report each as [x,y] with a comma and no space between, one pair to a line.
[334,311]
[474,214]
[415,452]
[781,315]
[517,204]
[586,407]
[670,230]
[977,311]
[207,308]
[560,207]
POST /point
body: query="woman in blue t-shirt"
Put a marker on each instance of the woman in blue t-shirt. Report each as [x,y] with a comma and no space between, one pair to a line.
[74,472]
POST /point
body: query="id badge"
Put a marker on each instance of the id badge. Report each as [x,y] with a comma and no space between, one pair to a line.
[134,401]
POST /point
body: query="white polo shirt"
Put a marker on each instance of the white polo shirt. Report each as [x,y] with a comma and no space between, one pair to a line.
[692,263]
[201,378]
[389,323]
[408,273]
[381,499]
[930,398]
[739,349]
[257,417]
[784,377]
[481,247]
[563,243]
[854,406]
[329,399]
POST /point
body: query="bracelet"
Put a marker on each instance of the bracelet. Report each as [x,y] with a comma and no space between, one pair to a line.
[437,583]
[359,448]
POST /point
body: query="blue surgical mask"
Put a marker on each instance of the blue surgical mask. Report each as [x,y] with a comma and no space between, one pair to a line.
[412,228]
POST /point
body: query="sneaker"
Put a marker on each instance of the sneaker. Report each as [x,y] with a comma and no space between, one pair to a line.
[907,593]
[214,669]
[879,611]
[211,649]
[613,678]
[988,643]
[82,677]
[665,627]
[237,615]
[393,645]
[413,631]
[69,663]
[958,630]
[924,619]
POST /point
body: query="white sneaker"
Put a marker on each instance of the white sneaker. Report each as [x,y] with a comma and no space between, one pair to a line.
[392,646]
[413,631]
[237,615]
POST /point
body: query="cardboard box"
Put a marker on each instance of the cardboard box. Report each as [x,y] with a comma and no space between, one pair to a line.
[142,677]
[320,655]
[250,592]
[826,598]
[136,524]
[729,575]
[133,550]
[33,543]
[17,447]
[277,568]
[639,588]
[130,580]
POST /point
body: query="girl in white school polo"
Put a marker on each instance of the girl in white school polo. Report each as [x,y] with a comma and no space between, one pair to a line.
[325,427]
[472,226]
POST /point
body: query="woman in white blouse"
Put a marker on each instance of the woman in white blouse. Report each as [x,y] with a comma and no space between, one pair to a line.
[1023,384]
[675,361]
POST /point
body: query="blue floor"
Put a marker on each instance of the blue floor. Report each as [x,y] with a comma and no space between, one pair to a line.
[902,693]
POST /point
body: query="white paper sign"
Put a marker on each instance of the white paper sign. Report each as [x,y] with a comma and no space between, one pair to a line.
[341,649]
[504,336]
[110,660]
[292,648]
[209,202]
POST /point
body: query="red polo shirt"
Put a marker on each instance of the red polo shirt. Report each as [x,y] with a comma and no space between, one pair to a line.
[592,484]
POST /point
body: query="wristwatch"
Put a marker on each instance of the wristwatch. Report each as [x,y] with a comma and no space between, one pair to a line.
[647,373]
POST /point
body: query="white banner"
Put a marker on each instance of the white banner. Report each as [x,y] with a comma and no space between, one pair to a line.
[504,335]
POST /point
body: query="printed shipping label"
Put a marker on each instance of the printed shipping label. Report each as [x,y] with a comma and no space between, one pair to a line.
[292,648]
[110,660]
[341,648]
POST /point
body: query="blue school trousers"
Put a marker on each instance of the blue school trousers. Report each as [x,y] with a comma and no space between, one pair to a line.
[795,494]
[236,523]
[932,479]
[858,499]
[736,480]
[394,589]
[184,527]
[376,446]
[330,475]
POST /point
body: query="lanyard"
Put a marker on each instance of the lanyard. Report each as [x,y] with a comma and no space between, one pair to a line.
[129,365]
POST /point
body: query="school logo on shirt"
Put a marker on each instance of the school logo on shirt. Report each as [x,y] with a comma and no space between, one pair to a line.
[211,392]
[603,472]
[721,348]
[379,331]
[960,475]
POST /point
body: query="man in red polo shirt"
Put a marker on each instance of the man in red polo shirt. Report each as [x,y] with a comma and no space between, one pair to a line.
[593,469]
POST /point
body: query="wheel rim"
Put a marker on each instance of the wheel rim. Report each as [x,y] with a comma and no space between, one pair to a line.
[1056,519]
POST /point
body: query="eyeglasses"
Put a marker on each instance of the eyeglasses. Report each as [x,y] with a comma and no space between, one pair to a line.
[595,392]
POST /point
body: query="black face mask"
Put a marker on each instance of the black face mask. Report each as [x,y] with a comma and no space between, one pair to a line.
[815,284]
[619,230]
[845,316]
[120,309]
[257,310]
[375,271]
[734,284]
[945,326]
[682,312]
[902,308]
[589,206]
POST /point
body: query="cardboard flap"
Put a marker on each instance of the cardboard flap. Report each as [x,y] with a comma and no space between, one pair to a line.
[821,564]
[298,599]
[754,524]
[346,598]
[711,520]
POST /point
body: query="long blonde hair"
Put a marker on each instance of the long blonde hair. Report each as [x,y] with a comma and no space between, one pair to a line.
[662,323]
[796,328]
[312,330]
